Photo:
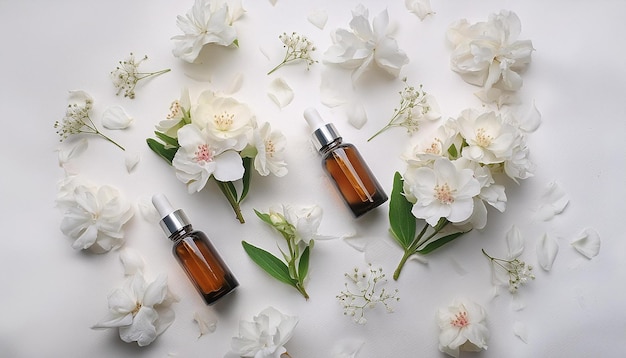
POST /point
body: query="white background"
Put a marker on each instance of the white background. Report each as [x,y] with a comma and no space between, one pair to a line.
[52,294]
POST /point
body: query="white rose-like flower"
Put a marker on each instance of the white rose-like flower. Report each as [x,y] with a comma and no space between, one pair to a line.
[93,216]
[463,328]
[490,140]
[365,44]
[265,336]
[208,21]
[223,117]
[140,310]
[441,192]
[270,151]
[201,156]
[489,54]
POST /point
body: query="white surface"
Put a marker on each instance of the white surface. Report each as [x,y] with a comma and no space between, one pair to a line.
[52,294]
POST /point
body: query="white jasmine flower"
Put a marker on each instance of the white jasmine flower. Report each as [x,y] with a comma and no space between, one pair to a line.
[366,44]
[115,117]
[301,222]
[224,118]
[421,8]
[201,156]
[270,147]
[180,114]
[93,216]
[441,191]
[489,54]
[208,21]
[490,140]
[425,150]
[264,336]
[140,310]
[463,328]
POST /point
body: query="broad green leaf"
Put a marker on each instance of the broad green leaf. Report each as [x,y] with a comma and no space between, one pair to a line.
[402,222]
[303,265]
[433,245]
[167,139]
[270,263]
[159,148]
[247,176]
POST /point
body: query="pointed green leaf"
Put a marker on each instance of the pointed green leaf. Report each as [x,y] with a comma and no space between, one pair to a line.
[269,263]
[433,245]
[167,139]
[303,265]
[159,148]
[263,216]
[403,223]
[247,176]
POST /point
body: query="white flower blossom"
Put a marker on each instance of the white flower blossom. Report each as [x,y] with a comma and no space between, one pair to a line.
[270,147]
[208,21]
[264,336]
[442,191]
[421,8]
[366,44]
[201,156]
[463,328]
[490,139]
[93,216]
[180,114]
[140,310]
[224,118]
[303,221]
[489,54]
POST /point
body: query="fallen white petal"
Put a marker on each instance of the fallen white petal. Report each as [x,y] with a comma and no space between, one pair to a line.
[131,161]
[355,112]
[587,243]
[115,117]
[131,261]
[68,152]
[421,8]
[520,331]
[555,200]
[332,93]
[264,53]
[147,210]
[346,348]
[547,248]
[531,120]
[515,242]
[206,320]
[318,18]
[280,92]
[517,304]
[235,84]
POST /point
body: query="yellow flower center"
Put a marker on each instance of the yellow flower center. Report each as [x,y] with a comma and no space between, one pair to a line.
[444,194]
[482,138]
[270,148]
[175,110]
[223,121]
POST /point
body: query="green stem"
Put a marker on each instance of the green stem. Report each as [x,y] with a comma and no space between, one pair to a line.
[277,67]
[300,288]
[231,199]
[417,242]
[146,75]
[111,140]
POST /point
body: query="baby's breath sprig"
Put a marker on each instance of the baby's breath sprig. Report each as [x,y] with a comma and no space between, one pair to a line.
[77,120]
[299,47]
[367,293]
[126,75]
[412,100]
[519,272]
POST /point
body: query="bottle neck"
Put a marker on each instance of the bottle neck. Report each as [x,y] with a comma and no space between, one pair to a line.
[330,146]
[181,233]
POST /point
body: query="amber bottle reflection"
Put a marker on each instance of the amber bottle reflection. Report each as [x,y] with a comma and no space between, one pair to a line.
[195,253]
[342,161]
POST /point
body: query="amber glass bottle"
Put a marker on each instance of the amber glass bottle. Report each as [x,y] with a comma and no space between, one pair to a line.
[342,161]
[195,253]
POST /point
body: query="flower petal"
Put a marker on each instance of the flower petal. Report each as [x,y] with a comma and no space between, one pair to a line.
[280,92]
[356,114]
[206,320]
[520,330]
[318,18]
[132,261]
[547,248]
[515,242]
[115,117]
[68,152]
[142,330]
[587,243]
[131,160]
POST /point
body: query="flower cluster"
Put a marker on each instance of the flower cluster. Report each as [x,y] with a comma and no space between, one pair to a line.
[298,226]
[415,106]
[299,47]
[77,118]
[489,54]
[139,310]
[367,295]
[208,21]
[218,138]
[463,328]
[94,216]
[265,336]
[518,271]
[365,44]
[126,75]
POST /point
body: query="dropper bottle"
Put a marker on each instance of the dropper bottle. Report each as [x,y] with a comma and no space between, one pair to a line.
[195,253]
[343,163]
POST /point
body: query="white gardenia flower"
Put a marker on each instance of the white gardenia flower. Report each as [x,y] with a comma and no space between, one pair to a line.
[208,21]
[365,44]
[265,336]
[306,220]
[140,310]
[93,216]
[442,191]
[489,54]
[270,151]
[463,328]
[224,118]
[201,156]
[490,139]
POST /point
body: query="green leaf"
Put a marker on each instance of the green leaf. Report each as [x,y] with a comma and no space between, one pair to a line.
[303,265]
[159,148]
[453,152]
[433,245]
[270,263]
[263,216]
[247,176]
[167,139]
[403,223]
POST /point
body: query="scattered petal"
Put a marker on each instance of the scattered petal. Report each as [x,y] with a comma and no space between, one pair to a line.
[555,200]
[356,114]
[131,161]
[115,117]
[235,84]
[421,8]
[547,248]
[264,53]
[530,120]
[318,18]
[132,261]
[280,92]
[517,304]
[206,320]
[346,348]
[332,89]
[515,242]
[147,210]
[68,152]
[520,331]
[587,243]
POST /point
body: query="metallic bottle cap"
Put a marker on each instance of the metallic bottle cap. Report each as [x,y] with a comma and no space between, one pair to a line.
[323,133]
[172,220]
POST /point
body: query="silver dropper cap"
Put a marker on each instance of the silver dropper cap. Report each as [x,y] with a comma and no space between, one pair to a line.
[172,221]
[323,133]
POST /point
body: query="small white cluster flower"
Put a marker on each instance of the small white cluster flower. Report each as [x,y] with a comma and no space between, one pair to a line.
[126,75]
[363,291]
[299,47]
[518,271]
